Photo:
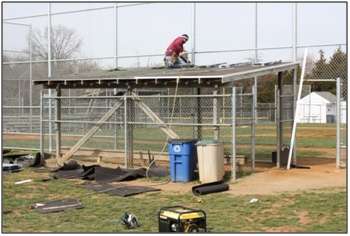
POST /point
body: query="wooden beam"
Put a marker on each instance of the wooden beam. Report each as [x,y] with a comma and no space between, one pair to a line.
[91,132]
[167,130]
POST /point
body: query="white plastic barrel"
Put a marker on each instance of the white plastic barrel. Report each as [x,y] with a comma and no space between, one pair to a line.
[210,161]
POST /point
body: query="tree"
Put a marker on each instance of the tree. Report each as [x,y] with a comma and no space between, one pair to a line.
[65,43]
[336,67]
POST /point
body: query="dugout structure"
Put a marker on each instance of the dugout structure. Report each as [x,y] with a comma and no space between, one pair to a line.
[212,106]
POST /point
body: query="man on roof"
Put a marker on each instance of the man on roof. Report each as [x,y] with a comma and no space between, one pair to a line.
[175,55]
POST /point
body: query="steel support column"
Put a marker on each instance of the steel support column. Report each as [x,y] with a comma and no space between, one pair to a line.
[58,123]
[233,125]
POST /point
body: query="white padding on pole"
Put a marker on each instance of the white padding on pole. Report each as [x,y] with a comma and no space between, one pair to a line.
[296,111]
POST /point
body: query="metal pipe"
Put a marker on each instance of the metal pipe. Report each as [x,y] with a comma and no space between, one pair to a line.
[160,55]
[71,12]
[338,116]
[295,31]
[41,123]
[126,148]
[15,23]
[216,114]
[30,79]
[233,124]
[58,125]
[256,32]
[254,120]
[146,96]
[194,35]
[49,73]
[116,34]
[294,112]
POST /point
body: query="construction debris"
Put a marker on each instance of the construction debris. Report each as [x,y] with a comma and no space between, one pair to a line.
[23,181]
[98,173]
[10,168]
[253,200]
[57,205]
[118,190]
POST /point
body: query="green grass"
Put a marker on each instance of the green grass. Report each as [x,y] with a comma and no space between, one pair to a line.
[325,210]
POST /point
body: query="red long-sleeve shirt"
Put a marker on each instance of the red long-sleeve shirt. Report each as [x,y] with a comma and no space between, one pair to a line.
[176,47]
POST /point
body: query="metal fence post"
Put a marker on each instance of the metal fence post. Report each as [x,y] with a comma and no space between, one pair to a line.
[254,121]
[256,32]
[295,31]
[41,123]
[216,114]
[126,148]
[116,34]
[338,116]
[58,123]
[30,80]
[49,74]
[233,124]
[194,34]
[294,112]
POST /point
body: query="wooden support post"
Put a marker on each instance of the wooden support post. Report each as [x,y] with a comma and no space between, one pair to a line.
[58,122]
[91,132]
[147,110]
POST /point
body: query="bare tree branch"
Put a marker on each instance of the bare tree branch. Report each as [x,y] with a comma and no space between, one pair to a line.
[65,43]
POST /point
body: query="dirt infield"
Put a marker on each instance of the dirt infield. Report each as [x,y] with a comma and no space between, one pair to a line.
[267,179]
[322,174]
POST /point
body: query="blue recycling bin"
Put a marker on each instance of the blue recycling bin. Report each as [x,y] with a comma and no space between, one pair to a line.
[183,159]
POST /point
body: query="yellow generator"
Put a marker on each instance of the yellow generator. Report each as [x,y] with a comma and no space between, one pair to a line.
[182,219]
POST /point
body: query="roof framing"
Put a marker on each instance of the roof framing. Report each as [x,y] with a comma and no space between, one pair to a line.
[181,78]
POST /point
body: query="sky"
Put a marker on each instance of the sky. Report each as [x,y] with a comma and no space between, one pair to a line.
[148,29]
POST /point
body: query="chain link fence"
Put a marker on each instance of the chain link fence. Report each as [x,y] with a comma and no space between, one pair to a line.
[21,100]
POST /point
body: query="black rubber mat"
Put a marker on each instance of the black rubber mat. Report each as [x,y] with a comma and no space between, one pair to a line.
[103,174]
[57,205]
[210,188]
[118,190]
[68,174]
[98,173]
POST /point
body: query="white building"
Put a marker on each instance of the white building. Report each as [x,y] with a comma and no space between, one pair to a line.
[319,107]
